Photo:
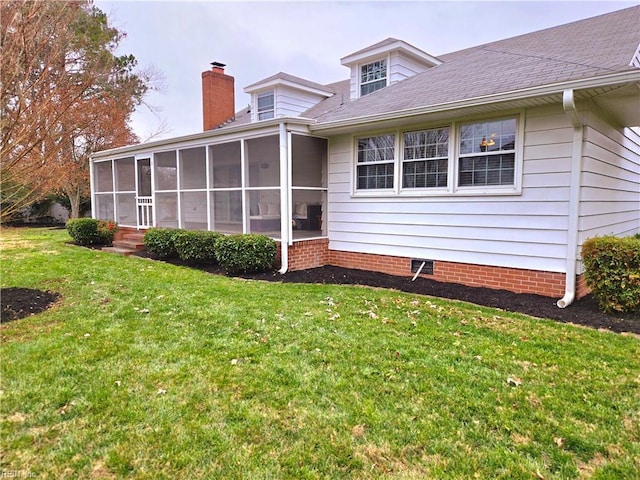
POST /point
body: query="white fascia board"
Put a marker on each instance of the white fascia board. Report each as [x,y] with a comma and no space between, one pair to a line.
[262,127]
[386,49]
[279,81]
[555,88]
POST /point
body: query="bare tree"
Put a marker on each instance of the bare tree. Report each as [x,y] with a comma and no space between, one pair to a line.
[64,94]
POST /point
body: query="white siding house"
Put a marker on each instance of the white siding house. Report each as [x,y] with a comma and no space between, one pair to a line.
[490,166]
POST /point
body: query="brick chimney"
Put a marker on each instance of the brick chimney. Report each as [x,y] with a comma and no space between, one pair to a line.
[218,97]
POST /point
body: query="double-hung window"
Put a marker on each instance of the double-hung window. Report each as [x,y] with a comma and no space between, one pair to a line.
[376,160]
[487,152]
[425,161]
[373,76]
[266,105]
[468,158]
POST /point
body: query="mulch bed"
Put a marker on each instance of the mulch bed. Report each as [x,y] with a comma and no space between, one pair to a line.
[583,312]
[19,302]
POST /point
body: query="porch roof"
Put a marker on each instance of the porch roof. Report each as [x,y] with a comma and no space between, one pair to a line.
[216,135]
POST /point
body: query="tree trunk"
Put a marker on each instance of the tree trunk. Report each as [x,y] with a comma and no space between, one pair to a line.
[74,201]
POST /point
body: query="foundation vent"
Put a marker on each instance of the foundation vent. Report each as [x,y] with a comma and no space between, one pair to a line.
[426,269]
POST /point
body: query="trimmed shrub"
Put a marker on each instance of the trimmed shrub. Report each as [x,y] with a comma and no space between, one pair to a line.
[106,231]
[195,246]
[245,252]
[159,241]
[89,231]
[612,271]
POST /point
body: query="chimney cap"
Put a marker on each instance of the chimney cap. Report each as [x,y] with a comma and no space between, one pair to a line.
[217,65]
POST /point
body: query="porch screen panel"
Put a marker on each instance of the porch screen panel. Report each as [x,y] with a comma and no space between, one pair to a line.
[193,210]
[167,210]
[103,173]
[166,171]
[264,212]
[224,165]
[226,211]
[104,206]
[309,156]
[193,169]
[126,209]
[125,175]
[263,156]
[307,210]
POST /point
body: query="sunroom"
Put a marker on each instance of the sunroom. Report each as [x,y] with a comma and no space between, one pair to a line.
[270,180]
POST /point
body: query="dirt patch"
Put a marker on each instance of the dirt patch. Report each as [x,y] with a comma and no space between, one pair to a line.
[18,302]
[583,312]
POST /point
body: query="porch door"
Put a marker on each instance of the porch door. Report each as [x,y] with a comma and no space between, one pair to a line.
[144,197]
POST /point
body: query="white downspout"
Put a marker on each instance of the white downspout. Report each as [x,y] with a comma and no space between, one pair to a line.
[568,103]
[284,198]
[92,187]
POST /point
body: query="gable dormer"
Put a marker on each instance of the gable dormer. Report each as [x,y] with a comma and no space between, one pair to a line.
[284,95]
[385,63]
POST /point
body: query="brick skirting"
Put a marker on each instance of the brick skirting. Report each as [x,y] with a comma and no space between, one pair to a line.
[316,253]
[309,254]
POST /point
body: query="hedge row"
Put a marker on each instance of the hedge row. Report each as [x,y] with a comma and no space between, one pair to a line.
[612,271]
[235,253]
[89,231]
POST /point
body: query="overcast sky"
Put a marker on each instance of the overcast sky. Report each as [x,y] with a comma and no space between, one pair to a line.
[304,38]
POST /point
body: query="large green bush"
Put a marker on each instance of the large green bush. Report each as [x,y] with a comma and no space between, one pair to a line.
[196,247]
[89,231]
[245,253]
[159,241]
[612,271]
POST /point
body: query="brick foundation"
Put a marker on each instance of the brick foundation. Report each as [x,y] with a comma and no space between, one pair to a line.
[309,254]
[549,284]
[581,286]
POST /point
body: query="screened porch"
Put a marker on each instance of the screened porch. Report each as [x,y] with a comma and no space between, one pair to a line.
[242,186]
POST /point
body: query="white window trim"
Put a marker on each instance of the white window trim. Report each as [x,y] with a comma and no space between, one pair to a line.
[359,66]
[259,94]
[516,188]
[425,190]
[377,191]
[452,188]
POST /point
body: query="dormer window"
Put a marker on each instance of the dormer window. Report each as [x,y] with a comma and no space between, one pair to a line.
[266,105]
[373,76]
[385,63]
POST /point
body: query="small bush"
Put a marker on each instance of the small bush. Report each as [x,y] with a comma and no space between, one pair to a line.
[106,232]
[612,271]
[245,253]
[89,231]
[159,241]
[196,246]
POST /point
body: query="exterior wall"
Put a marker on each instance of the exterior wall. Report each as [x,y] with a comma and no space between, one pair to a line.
[515,280]
[309,254]
[290,102]
[610,194]
[402,67]
[526,231]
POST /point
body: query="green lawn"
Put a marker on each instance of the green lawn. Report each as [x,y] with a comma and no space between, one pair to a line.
[148,370]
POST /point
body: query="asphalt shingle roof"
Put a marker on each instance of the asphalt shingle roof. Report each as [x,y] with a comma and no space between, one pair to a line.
[583,49]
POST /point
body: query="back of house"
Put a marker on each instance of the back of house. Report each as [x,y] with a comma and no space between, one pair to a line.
[488,166]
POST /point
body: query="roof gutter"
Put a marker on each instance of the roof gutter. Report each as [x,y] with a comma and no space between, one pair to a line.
[569,106]
[619,78]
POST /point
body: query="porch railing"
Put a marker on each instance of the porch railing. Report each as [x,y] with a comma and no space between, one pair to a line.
[145,212]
